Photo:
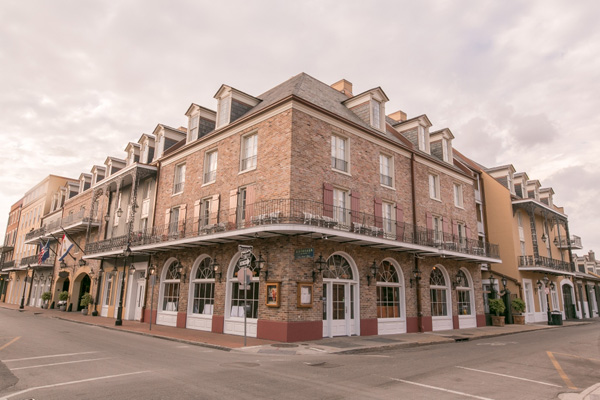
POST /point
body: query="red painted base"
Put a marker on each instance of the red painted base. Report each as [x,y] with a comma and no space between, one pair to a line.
[181,319]
[455,322]
[480,320]
[426,324]
[368,327]
[289,331]
[218,322]
[412,324]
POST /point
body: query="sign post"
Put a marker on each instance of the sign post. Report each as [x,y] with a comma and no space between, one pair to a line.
[244,277]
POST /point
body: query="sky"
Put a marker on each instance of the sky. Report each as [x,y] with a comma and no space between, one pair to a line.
[517,82]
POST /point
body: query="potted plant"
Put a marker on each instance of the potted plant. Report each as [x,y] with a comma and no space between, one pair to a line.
[86,300]
[46,296]
[497,307]
[519,306]
[62,300]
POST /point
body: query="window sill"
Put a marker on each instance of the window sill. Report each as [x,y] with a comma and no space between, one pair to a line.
[341,171]
[247,170]
[459,207]
[176,194]
[433,198]
[208,183]
[387,187]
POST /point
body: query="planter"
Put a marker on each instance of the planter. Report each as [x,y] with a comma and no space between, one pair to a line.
[498,320]
[84,311]
[519,319]
[63,308]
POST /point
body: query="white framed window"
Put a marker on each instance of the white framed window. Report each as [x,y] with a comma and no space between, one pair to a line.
[205,206]
[390,292]
[462,234]
[203,288]
[236,300]
[223,115]
[174,221]
[445,150]
[385,170]
[339,153]
[179,179]
[340,205]
[438,293]
[434,186]
[249,152]
[170,289]
[464,293]
[422,134]
[388,217]
[376,114]
[458,195]
[554,297]
[438,229]
[523,248]
[193,124]
[210,166]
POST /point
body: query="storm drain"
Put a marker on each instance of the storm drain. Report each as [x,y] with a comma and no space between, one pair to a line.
[284,345]
[459,338]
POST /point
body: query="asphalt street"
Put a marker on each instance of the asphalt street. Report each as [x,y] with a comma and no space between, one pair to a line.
[46,358]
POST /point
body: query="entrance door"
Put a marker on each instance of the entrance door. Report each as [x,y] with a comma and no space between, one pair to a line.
[139,303]
[529,305]
[568,300]
[338,313]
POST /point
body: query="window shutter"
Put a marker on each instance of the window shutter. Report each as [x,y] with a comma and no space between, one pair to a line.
[232,205]
[429,220]
[467,232]
[182,209]
[378,213]
[196,211]
[355,206]
[399,223]
[455,228]
[446,226]
[214,209]
[167,219]
[250,198]
[328,200]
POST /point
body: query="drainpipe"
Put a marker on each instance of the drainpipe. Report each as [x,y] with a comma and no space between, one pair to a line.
[415,259]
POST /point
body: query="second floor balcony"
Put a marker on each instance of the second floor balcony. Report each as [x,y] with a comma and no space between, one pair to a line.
[288,217]
[544,264]
[71,223]
[575,243]
[7,265]
[33,261]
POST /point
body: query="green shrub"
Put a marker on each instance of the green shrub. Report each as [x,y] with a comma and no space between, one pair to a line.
[518,305]
[497,306]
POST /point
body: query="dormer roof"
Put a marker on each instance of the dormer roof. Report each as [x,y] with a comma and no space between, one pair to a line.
[241,95]
[146,136]
[376,93]
[442,133]
[132,144]
[193,107]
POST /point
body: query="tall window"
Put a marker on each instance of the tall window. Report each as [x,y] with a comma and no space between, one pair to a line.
[434,186]
[438,229]
[210,166]
[171,282]
[117,208]
[388,217]
[389,292]
[337,268]
[223,111]
[237,295]
[446,150]
[421,139]
[193,127]
[174,221]
[376,114]
[339,153]
[249,151]
[205,206]
[438,290]
[340,202]
[462,234]
[179,180]
[385,170]
[204,288]
[458,195]
[463,291]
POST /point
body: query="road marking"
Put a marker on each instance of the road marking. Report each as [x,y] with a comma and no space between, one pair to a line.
[572,355]
[508,376]
[376,355]
[9,343]
[495,343]
[70,383]
[560,371]
[54,355]
[315,349]
[441,389]
[60,363]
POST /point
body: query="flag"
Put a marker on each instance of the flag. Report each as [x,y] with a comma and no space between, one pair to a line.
[66,247]
[44,252]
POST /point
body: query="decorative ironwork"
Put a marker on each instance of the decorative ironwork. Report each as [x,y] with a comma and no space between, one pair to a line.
[437,278]
[205,269]
[337,268]
[387,273]
[461,279]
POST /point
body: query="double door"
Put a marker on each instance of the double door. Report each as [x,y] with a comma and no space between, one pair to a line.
[340,312]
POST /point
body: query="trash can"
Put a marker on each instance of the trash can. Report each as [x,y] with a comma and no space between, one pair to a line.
[556,318]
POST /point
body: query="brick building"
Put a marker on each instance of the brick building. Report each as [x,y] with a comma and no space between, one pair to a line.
[360,223]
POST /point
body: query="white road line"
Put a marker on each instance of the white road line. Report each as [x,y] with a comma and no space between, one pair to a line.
[441,389]
[70,383]
[315,349]
[509,376]
[55,355]
[60,363]
[376,355]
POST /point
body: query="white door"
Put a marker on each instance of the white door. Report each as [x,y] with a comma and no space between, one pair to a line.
[339,313]
[106,295]
[139,303]
[529,305]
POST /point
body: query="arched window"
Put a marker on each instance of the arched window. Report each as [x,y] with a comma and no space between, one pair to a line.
[203,288]
[438,292]
[251,292]
[337,268]
[463,290]
[171,282]
[389,291]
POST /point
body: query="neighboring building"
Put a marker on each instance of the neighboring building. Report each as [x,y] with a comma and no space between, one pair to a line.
[7,253]
[587,281]
[360,223]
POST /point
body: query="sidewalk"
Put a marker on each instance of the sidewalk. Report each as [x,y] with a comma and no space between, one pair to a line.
[336,345]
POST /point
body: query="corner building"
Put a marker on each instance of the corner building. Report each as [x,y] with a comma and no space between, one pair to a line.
[360,223]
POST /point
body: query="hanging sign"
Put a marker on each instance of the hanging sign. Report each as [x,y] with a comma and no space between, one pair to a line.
[304,253]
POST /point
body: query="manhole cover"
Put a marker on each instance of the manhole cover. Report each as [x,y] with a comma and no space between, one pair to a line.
[284,345]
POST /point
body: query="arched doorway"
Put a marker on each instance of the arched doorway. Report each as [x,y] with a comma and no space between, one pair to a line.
[391,314]
[240,301]
[568,303]
[201,294]
[84,287]
[465,300]
[340,292]
[439,295]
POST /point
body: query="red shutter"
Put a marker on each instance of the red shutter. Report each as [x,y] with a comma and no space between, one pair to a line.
[399,223]
[214,209]
[429,222]
[328,200]
[378,213]
[232,205]
[167,218]
[250,199]
[455,228]
[468,232]
[355,206]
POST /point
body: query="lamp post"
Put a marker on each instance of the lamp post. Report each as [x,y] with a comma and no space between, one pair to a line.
[22,306]
[152,271]
[547,290]
[119,320]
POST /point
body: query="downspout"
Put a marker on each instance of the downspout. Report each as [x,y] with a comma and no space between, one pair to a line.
[415,258]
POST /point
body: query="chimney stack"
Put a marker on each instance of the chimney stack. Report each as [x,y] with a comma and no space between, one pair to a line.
[398,116]
[591,255]
[343,86]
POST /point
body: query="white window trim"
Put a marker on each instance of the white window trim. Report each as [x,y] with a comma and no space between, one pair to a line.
[242,151]
[192,136]
[377,124]
[346,153]
[391,219]
[207,166]
[391,170]
[459,200]
[175,183]
[436,181]
[227,100]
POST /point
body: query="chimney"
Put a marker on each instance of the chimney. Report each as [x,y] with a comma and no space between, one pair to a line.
[398,116]
[591,255]
[343,86]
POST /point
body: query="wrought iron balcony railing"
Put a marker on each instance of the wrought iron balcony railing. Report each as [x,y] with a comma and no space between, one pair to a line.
[8,264]
[531,261]
[35,233]
[33,260]
[307,213]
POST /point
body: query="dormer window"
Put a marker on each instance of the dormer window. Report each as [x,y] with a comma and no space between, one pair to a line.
[445,150]
[376,114]
[194,122]
[422,138]
[223,114]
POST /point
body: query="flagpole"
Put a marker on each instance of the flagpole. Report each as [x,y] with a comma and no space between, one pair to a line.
[72,240]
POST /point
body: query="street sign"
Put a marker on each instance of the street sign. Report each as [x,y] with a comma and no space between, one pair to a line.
[244,276]
[244,262]
[304,253]
[245,250]
[547,291]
